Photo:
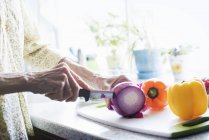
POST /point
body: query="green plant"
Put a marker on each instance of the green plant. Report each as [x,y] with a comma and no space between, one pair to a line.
[108,33]
[114,33]
[121,37]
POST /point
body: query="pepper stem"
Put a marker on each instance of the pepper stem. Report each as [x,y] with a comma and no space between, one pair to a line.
[152,93]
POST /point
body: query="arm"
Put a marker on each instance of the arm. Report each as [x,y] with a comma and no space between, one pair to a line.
[59,83]
[11,83]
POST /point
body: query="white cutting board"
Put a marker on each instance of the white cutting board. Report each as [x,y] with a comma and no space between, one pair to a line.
[163,123]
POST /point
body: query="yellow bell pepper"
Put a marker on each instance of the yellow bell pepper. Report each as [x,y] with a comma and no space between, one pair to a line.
[188,99]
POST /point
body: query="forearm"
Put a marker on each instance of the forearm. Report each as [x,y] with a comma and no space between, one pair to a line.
[11,83]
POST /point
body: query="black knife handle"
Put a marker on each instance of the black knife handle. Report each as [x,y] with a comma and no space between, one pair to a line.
[84,93]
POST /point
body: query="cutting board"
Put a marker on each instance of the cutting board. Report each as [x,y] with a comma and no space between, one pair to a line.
[163,123]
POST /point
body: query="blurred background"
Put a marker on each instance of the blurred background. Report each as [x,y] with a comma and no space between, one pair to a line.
[140,38]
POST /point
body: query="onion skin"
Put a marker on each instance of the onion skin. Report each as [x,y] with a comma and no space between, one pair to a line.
[128,100]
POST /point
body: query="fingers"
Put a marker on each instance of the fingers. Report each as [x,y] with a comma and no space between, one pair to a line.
[58,95]
[68,93]
[74,89]
[75,82]
[81,83]
[63,91]
[72,84]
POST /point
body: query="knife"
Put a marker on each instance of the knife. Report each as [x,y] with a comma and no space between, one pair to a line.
[95,94]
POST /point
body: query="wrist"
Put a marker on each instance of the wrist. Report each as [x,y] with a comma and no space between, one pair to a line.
[29,78]
[11,83]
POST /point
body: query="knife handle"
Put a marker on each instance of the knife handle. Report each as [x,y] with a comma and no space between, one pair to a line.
[84,93]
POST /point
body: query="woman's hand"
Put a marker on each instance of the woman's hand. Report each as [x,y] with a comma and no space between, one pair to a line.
[96,81]
[59,83]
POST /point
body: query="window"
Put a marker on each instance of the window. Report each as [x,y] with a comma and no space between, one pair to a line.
[168,24]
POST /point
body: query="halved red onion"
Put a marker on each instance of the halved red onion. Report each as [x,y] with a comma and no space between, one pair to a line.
[129,99]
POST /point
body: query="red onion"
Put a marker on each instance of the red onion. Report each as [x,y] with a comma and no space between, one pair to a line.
[128,100]
[206,83]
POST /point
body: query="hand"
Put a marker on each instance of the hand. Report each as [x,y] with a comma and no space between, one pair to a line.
[58,83]
[97,81]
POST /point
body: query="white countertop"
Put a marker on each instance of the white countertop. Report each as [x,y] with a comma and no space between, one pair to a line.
[60,118]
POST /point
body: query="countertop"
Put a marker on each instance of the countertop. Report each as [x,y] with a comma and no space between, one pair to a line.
[60,118]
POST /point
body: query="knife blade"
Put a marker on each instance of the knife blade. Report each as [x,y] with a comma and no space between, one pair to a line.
[95,94]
